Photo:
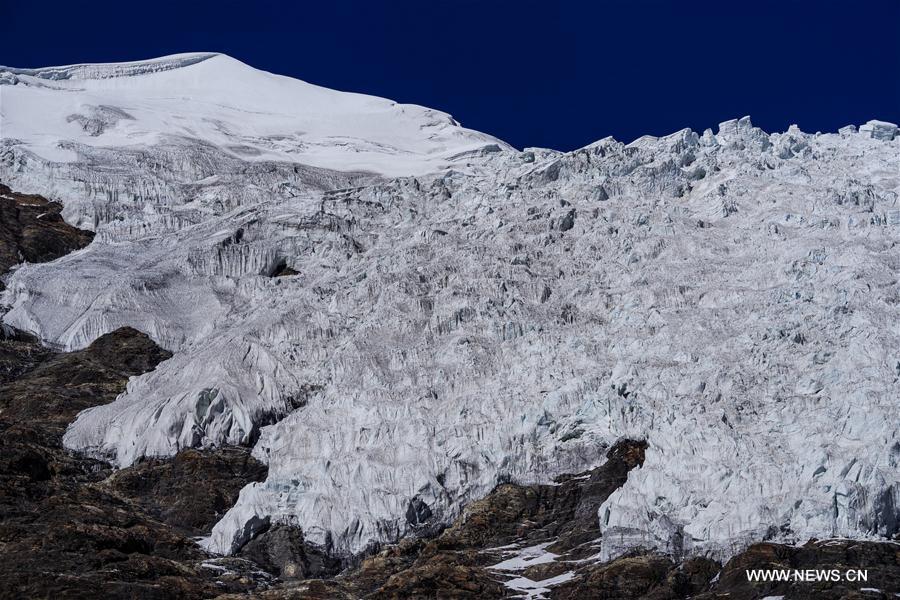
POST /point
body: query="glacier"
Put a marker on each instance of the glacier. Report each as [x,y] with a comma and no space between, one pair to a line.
[393,309]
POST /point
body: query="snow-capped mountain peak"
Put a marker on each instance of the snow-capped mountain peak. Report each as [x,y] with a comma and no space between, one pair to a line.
[88,71]
[214,99]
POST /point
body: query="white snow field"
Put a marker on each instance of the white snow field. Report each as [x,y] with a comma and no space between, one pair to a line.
[460,313]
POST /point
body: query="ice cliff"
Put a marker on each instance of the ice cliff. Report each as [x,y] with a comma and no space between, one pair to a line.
[395,310]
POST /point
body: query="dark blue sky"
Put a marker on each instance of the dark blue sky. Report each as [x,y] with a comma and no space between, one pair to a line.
[550,74]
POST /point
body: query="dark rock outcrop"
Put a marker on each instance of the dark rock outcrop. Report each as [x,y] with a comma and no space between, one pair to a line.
[190,491]
[879,560]
[565,512]
[646,576]
[282,550]
[19,352]
[48,395]
[70,527]
[32,230]
[62,535]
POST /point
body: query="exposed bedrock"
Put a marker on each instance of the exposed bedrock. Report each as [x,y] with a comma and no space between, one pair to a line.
[71,527]
[64,531]
[282,551]
[190,491]
[32,230]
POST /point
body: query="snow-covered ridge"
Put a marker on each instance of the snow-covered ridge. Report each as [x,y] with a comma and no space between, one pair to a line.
[198,101]
[109,70]
[490,315]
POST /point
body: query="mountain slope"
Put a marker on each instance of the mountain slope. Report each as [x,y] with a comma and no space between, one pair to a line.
[388,343]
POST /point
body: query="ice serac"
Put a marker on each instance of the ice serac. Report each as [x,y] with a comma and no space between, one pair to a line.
[399,313]
[879,130]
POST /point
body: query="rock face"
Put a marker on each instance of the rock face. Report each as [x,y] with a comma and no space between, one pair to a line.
[32,230]
[564,512]
[880,562]
[72,528]
[19,352]
[520,535]
[63,534]
[190,491]
[56,389]
[644,576]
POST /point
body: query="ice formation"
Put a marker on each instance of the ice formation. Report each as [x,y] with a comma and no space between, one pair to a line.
[454,312]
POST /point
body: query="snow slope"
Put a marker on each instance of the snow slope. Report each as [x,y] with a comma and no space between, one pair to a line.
[489,315]
[250,114]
